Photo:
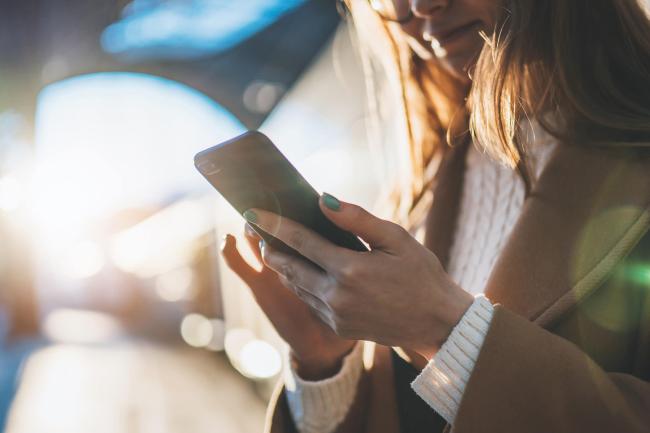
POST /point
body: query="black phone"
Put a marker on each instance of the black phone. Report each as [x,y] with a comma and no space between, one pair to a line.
[250,172]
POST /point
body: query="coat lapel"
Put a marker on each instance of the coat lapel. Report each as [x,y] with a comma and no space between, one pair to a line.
[587,210]
[585,213]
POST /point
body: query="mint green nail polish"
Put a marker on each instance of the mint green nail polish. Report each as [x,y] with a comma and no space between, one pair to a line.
[261,243]
[250,216]
[331,202]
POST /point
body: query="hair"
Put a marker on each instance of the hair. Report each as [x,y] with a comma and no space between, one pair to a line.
[581,68]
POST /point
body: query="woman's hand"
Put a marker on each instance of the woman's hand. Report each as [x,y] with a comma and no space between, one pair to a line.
[397,294]
[318,351]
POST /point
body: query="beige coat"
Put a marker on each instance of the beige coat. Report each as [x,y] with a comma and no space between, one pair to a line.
[569,346]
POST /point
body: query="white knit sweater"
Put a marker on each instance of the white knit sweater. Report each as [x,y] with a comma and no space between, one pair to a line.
[491,202]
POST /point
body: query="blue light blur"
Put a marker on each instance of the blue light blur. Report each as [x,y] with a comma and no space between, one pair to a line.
[190,28]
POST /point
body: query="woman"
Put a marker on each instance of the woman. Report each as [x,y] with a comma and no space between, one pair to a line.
[528,306]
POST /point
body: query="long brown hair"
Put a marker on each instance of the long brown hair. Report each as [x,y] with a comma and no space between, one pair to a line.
[579,67]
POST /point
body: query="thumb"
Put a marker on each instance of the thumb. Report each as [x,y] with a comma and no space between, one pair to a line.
[379,233]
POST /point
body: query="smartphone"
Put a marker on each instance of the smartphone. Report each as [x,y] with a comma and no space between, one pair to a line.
[250,172]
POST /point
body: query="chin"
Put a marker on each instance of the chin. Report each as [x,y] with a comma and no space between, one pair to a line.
[457,65]
[460,66]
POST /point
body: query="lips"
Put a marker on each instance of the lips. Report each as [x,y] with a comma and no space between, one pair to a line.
[446,36]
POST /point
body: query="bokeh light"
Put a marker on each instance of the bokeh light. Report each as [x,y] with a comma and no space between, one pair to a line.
[218,335]
[252,357]
[260,360]
[236,339]
[175,285]
[196,330]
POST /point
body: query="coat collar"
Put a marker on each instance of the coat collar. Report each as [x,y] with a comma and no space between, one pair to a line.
[587,210]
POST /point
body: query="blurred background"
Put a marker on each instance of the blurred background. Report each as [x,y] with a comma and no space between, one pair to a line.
[116,314]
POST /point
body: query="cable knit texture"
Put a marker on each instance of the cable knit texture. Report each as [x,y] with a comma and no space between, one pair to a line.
[491,201]
[442,382]
[318,407]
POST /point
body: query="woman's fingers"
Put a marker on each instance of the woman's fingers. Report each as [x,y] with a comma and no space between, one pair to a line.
[379,233]
[237,263]
[263,284]
[308,243]
[253,240]
[314,302]
[297,272]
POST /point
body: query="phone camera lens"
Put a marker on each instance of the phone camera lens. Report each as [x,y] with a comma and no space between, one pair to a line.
[208,168]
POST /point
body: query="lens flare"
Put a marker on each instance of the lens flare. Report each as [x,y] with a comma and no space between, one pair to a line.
[639,273]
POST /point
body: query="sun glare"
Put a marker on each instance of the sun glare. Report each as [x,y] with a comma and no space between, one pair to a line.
[106,143]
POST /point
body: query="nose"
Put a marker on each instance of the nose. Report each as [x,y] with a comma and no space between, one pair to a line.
[427,8]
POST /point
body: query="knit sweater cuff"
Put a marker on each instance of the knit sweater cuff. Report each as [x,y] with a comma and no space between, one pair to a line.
[320,406]
[442,382]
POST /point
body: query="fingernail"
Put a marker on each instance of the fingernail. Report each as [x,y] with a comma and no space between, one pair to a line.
[331,202]
[261,243]
[250,216]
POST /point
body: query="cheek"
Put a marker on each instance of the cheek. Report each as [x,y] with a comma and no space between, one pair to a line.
[486,10]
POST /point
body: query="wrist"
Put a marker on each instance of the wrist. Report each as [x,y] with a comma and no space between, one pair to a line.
[322,365]
[452,313]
